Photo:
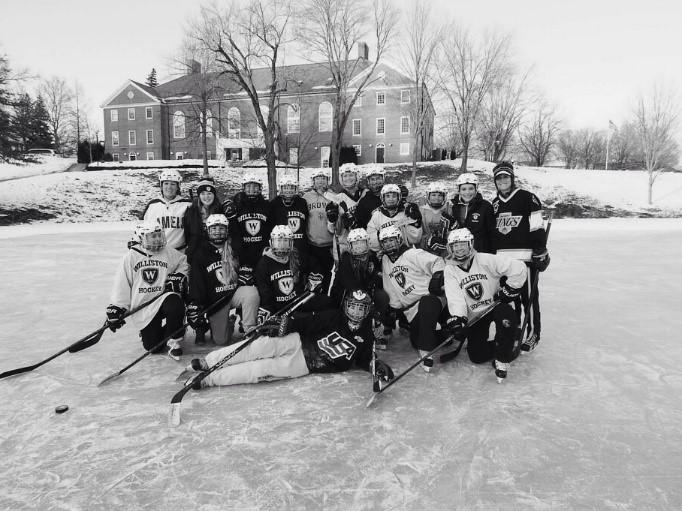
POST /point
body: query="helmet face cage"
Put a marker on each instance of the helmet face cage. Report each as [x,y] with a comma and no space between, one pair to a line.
[281,240]
[390,200]
[288,190]
[460,245]
[375,182]
[217,233]
[435,199]
[320,181]
[357,306]
[252,189]
[152,238]
[349,178]
[358,247]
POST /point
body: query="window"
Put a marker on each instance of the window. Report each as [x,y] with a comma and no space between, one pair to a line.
[381,126]
[294,118]
[148,114]
[115,155]
[178,125]
[357,127]
[114,138]
[132,138]
[358,101]
[132,157]
[114,115]
[404,96]
[150,155]
[358,150]
[404,148]
[150,137]
[293,155]
[325,113]
[209,124]
[404,125]
[233,123]
[325,151]
[131,114]
[381,98]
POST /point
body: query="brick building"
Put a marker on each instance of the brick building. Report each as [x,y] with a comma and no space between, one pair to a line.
[141,122]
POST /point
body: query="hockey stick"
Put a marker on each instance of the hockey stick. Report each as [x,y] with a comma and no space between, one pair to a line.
[212,307]
[81,344]
[252,335]
[429,354]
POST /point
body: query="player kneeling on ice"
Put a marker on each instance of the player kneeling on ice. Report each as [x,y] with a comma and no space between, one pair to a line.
[150,269]
[408,276]
[329,341]
[473,283]
[215,275]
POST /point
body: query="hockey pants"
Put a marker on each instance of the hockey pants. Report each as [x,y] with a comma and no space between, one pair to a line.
[265,359]
[173,311]
[503,347]
[245,297]
[430,311]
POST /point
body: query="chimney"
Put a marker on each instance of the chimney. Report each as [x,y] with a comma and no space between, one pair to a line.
[193,67]
[363,51]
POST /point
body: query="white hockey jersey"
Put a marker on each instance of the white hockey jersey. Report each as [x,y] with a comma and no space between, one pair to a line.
[407,279]
[411,235]
[433,222]
[141,276]
[170,215]
[470,291]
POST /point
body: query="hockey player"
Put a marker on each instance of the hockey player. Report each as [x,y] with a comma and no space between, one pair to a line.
[319,233]
[475,213]
[329,341]
[169,210]
[520,234]
[407,279]
[472,284]
[250,228]
[289,208]
[205,204]
[371,199]
[341,211]
[436,222]
[283,273]
[214,275]
[150,268]
[407,218]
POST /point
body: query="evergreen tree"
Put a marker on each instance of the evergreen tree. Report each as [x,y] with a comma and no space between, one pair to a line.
[5,100]
[42,136]
[22,128]
[151,79]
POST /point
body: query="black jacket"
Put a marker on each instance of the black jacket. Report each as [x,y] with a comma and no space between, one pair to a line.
[479,218]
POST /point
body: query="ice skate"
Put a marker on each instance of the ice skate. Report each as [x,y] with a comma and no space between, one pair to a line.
[197,364]
[174,349]
[427,363]
[501,369]
[530,344]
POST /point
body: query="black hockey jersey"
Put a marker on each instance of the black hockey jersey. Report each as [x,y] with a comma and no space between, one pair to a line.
[329,346]
[518,225]
[295,216]
[477,216]
[356,275]
[208,280]
[250,230]
[366,205]
[277,283]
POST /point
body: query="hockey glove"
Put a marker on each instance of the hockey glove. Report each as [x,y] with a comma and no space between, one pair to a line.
[315,283]
[332,211]
[508,294]
[456,326]
[412,212]
[435,244]
[196,318]
[348,220]
[263,315]
[404,192]
[436,283]
[275,326]
[230,209]
[540,259]
[176,283]
[245,276]
[115,317]
[383,371]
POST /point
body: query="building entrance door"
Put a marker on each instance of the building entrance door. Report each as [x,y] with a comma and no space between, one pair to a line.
[380,153]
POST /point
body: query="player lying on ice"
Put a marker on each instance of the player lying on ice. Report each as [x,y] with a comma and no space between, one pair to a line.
[316,342]
[473,283]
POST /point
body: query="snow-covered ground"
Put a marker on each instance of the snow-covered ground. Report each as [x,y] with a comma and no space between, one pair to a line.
[590,420]
[43,165]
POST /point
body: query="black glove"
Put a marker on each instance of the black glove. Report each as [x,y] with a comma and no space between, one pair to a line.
[456,326]
[436,283]
[315,283]
[540,259]
[348,220]
[275,326]
[404,192]
[435,244]
[412,212]
[508,294]
[115,317]
[196,317]
[176,283]
[332,210]
[230,209]
[245,276]
[133,243]
[383,371]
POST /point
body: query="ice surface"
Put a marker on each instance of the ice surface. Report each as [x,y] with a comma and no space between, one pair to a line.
[590,420]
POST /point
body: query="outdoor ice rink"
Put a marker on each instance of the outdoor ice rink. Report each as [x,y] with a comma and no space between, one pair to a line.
[591,420]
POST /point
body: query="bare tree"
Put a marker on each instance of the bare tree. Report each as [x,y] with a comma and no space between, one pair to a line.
[567,146]
[448,138]
[591,146]
[244,37]
[422,33]
[58,98]
[332,28]
[625,146]
[467,71]
[656,119]
[538,135]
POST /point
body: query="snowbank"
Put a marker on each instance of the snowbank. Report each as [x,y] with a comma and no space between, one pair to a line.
[44,165]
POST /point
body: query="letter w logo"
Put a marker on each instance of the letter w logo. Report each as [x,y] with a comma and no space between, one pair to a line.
[149,275]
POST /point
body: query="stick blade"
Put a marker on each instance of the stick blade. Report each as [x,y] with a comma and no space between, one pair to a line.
[371,400]
[174,415]
[16,371]
[108,379]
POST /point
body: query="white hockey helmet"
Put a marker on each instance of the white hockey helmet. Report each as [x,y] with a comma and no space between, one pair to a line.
[439,192]
[375,178]
[216,228]
[358,242]
[319,179]
[348,175]
[281,240]
[357,305]
[151,236]
[467,178]
[395,200]
[170,175]
[288,188]
[460,245]
[390,239]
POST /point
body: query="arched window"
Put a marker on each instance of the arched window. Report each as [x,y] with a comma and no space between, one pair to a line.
[325,114]
[294,118]
[178,125]
[209,123]
[233,123]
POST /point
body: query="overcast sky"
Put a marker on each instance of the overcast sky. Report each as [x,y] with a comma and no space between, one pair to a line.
[591,57]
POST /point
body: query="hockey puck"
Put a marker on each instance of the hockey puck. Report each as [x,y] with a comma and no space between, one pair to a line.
[61,409]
